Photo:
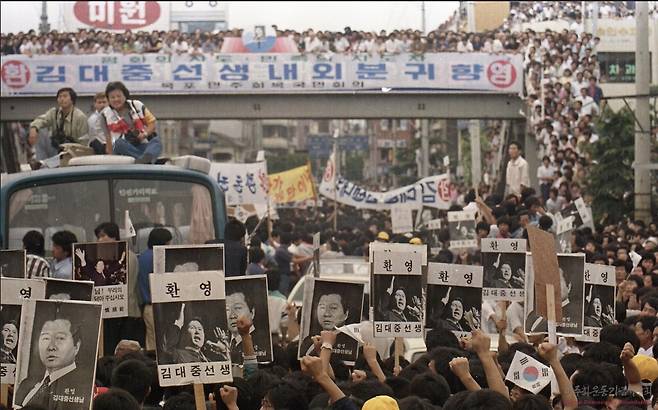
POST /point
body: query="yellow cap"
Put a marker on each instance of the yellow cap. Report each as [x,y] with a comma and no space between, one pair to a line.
[416,241]
[647,366]
[381,403]
[383,236]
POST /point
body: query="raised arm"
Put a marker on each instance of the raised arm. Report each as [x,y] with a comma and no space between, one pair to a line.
[459,366]
[482,346]
[549,352]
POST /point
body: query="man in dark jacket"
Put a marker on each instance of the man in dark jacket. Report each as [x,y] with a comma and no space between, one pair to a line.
[235,253]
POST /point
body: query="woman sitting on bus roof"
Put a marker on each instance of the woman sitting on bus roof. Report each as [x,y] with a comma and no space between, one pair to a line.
[129,126]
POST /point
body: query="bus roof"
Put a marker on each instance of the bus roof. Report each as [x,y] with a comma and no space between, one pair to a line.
[9,181]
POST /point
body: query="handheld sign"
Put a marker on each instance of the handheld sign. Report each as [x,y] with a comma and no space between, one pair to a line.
[503,261]
[545,268]
[247,295]
[454,297]
[396,290]
[461,225]
[331,305]
[62,377]
[12,263]
[106,265]
[600,293]
[188,258]
[191,330]
[14,293]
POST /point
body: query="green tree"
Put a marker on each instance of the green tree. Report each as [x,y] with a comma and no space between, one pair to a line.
[611,176]
[283,162]
[354,167]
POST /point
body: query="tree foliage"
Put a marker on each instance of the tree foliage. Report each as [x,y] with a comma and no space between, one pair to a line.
[611,177]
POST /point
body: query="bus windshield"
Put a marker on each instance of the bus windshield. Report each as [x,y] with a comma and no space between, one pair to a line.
[184,208]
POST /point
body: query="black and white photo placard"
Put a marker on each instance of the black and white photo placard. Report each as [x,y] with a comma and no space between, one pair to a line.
[191,330]
[12,263]
[461,225]
[14,293]
[188,258]
[397,290]
[330,305]
[454,297]
[57,355]
[65,289]
[503,261]
[247,295]
[106,265]
[599,300]
[572,289]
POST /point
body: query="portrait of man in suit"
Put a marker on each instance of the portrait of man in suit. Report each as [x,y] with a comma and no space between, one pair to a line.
[63,384]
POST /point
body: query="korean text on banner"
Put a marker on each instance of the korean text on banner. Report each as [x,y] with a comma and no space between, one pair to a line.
[293,185]
[433,192]
[241,183]
[261,73]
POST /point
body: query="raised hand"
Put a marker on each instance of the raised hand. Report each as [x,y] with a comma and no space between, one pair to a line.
[229,396]
[459,366]
[480,342]
[181,317]
[328,336]
[548,351]
[369,352]
[312,366]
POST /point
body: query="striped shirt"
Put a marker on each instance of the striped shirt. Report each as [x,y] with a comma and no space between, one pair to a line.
[36,267]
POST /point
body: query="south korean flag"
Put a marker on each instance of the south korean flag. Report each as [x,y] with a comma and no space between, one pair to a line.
[528,373]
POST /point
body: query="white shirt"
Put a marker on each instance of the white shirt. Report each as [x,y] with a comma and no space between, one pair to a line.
[62,269]
[645,352]
[53,376]
[341,45]
[181,47]
[517,175]
[545,172]
[589,106]
[95,129]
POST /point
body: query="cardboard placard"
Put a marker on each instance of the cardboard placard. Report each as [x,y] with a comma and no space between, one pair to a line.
[545,268]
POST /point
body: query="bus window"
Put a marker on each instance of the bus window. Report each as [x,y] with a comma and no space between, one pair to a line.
[73,206]
[182,207]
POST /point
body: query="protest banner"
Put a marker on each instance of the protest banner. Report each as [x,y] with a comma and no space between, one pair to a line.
[504,269]
[249,73]
[64,289]
[191,330]
[106,265]
[188,258]
[13,293]
[247,295]
[12,263]
[401,219]
[74,327]
[432,192]
[454,297]
[329,305]
[600,307]
[529,373]
[396,289]
[461,225]
[292,185]
[241,183]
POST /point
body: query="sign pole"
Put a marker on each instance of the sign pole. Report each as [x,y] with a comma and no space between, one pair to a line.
[101,340]
[550,310]
[199,396]
[398,351]
[4,394]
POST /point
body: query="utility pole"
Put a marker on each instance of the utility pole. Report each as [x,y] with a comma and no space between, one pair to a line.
[476,154]
[44,27]
[425,146]
[642,126]
[422,13]
[595,17]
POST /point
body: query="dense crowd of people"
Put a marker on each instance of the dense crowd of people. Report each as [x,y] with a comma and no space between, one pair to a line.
[562,77]
[311,41]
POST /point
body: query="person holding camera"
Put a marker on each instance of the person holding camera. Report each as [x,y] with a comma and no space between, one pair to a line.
[65,123]
[129,126]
